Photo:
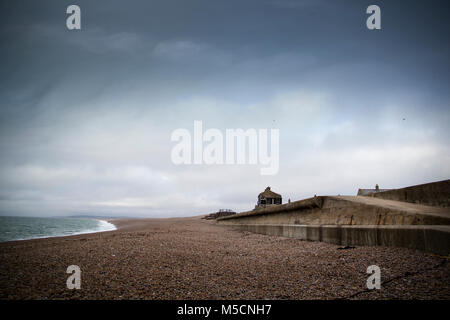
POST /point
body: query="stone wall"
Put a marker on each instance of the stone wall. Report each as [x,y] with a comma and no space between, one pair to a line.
[426,238]
[328,210]
[433,194]
[352,220]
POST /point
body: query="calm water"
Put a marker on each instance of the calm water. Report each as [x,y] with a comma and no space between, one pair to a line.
[21,228]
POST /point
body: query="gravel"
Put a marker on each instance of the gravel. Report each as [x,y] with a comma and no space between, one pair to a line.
[191,258]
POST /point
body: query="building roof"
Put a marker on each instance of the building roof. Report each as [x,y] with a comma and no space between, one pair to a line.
[268,194]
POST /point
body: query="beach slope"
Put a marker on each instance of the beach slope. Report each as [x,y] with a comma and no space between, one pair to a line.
[191,258]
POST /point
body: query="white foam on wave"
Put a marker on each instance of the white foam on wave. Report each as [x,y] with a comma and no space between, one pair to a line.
[102,226]
[106,226]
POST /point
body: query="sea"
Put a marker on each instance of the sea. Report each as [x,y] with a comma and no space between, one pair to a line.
[23,228]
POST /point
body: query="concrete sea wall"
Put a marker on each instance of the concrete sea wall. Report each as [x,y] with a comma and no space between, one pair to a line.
[426,238]
[352,220]
[432,194]
[344,210]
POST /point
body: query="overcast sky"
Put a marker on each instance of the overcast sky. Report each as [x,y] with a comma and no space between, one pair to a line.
[86,116]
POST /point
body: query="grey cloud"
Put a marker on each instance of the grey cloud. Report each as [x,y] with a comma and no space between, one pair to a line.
[86,117]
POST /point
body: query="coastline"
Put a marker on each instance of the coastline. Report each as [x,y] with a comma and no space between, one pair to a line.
[191,258]
[107,226]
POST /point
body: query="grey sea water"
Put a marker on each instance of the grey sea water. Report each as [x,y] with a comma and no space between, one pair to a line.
[22,228]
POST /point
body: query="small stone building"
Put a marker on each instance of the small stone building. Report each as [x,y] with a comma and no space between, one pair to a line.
[268,198]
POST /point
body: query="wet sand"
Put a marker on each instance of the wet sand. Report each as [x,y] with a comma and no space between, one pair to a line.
[191,258]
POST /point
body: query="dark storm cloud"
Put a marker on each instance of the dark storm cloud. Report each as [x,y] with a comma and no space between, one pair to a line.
[86,116]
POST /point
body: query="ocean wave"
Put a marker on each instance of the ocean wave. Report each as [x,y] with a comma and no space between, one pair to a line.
[106,226]
[25,228]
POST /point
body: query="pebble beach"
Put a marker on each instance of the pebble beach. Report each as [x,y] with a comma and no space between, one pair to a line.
[192,258]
